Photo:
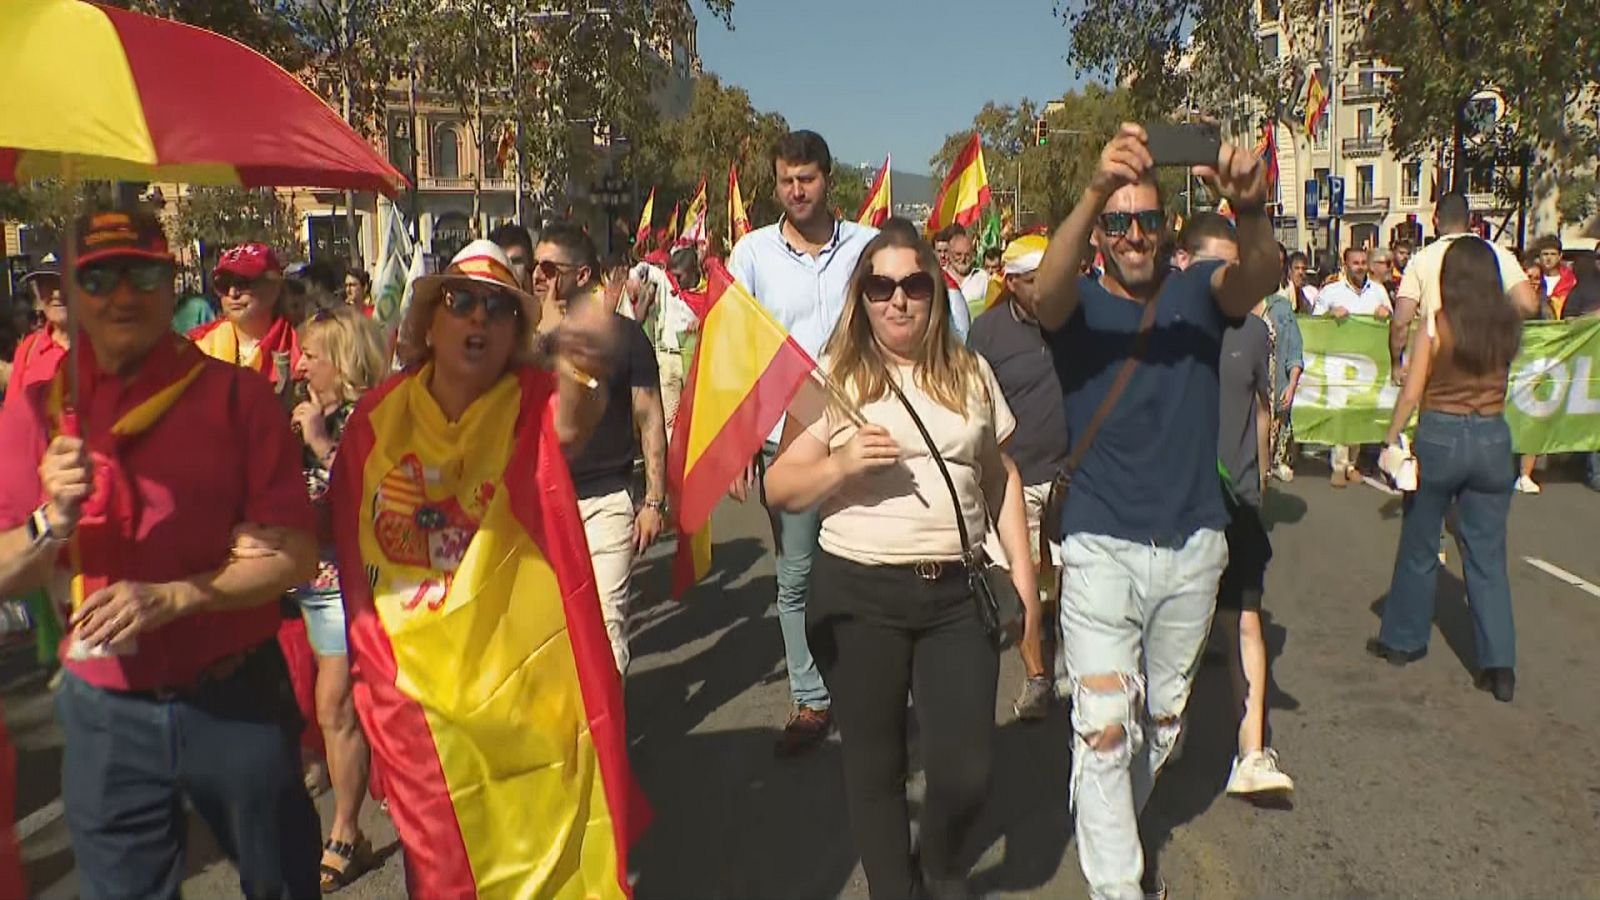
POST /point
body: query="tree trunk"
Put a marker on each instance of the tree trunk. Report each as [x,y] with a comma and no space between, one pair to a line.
[354,246]
[477,164]
[1458,163]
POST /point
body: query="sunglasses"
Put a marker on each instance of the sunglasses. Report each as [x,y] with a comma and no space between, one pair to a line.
[1117,224]
[228,284]
[497,305]
[100,279]
[879,288]
[549,268]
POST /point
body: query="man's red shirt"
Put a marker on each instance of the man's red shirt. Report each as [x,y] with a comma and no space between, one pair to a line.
[36,359]
[171,496]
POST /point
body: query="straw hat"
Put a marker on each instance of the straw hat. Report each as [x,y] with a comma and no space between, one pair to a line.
[481,261]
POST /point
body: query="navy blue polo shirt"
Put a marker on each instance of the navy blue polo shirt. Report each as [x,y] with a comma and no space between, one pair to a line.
[1151,474]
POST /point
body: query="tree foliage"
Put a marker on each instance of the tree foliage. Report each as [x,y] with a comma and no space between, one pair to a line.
[1053,176]
[720,127]
[1530,52]
[223,216]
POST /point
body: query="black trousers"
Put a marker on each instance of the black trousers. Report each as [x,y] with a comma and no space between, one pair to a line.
[878,632]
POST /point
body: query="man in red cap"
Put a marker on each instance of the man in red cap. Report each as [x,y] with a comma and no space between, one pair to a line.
[174,685]
[253,332]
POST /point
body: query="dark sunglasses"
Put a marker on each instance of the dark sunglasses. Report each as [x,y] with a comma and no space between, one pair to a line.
[497,304]
[1117,224]
[227,284]
[879,288]
[549,268]
[100,279]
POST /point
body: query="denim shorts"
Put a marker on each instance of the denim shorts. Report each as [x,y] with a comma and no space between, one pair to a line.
[324,615]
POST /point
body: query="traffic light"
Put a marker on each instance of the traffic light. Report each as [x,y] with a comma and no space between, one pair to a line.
[1041,131]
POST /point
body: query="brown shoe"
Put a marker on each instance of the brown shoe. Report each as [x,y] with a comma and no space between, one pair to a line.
[1340,477]
[807,728]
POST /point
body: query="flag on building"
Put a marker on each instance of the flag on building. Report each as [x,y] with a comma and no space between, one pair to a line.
[965,190]
[508,145]
[879,205]
[694,218]
[488,689]
[738,222]
[726,411]
[1316,104]
[641,238]
[1267,150]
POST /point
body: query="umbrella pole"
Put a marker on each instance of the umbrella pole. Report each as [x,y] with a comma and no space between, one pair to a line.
[69,286]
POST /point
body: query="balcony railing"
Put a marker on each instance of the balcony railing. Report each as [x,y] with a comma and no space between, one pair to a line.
[1359,92]
[1362,146]
[1366,205]
[489,185]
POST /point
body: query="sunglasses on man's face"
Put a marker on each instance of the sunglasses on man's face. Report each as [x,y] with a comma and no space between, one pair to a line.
[880,288]
[100,279]
[549,268]
[1117,224]
[497,305]
[228,284]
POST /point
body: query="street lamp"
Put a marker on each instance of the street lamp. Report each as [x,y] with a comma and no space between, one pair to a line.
[613,194]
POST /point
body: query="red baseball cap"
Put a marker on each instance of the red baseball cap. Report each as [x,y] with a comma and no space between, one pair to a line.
[135,233]
[251,261]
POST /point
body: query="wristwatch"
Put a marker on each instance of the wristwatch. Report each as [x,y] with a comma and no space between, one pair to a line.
[659,506]
[39,530]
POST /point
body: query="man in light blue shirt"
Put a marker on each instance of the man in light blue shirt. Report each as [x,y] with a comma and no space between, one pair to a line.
[798,268]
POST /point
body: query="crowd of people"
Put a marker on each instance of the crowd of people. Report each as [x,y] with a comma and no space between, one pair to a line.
[1065,443]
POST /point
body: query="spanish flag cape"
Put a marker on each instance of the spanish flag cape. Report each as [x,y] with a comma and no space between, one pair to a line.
[220,340]
[483,676]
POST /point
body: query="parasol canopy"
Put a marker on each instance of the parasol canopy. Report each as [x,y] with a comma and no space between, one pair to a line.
[94,92]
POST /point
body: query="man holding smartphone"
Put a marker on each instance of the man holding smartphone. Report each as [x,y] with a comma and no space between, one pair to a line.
[1143,523]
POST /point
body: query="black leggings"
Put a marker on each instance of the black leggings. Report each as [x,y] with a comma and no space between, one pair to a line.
[878,632]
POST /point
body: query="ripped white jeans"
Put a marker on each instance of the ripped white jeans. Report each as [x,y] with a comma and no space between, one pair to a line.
[1140,612]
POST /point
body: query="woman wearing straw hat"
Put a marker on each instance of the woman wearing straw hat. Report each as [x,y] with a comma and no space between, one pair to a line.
[483,675]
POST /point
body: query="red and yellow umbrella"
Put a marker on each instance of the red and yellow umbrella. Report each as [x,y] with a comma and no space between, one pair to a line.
[100,93]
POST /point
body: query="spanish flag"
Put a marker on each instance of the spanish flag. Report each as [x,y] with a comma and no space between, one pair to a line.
[672,227]
[738,222]
[485,681]
[879,205]
[1316,104]
[641,238]
[746,369]
[277,356]
[694,218]
[965,190]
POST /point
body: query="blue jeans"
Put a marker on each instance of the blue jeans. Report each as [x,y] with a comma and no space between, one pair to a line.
[1466,460]
[795,535]
[231,746]
[1140,612]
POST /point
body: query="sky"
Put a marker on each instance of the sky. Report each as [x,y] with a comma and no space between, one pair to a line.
[876,76]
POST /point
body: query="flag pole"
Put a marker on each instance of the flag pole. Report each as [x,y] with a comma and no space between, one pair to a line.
[851,411]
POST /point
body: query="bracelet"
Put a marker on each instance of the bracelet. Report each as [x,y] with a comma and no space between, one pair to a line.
[657,505]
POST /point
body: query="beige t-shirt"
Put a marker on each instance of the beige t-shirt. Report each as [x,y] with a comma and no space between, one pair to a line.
[903,514]
[1421,281]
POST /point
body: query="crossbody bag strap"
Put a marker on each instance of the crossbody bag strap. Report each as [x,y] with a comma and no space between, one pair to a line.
[968,555]
[1124,375]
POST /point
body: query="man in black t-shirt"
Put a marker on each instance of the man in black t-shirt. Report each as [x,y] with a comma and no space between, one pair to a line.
[564,267]
[1008,336]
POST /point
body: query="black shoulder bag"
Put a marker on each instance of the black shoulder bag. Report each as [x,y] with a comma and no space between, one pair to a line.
[999,606]
[1050,523]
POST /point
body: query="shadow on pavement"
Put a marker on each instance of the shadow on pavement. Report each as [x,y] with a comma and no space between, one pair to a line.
[733,822]
[1028,806]
[1279,508]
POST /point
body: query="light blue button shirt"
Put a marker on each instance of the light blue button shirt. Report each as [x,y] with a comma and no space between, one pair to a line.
[804,293]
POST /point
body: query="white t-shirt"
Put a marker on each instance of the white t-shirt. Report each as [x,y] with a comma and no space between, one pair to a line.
[1550,282]
[903,514]
[975,287]
[1421,281]
[1363,302]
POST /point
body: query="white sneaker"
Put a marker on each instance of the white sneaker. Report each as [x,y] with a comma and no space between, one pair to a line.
[1258,773]
[1526,485]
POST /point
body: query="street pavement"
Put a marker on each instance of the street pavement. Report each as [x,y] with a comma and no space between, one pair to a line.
[1410,783]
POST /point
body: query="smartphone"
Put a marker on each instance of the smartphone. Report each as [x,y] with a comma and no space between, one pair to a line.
[1173,144]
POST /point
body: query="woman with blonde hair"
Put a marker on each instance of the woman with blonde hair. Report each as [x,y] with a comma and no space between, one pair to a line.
[341,358]
[484,678]
[907,488]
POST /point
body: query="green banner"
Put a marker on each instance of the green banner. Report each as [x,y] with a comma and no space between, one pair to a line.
[1346,395]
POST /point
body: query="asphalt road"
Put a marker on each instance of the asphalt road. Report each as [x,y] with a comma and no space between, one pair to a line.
[1410,783]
